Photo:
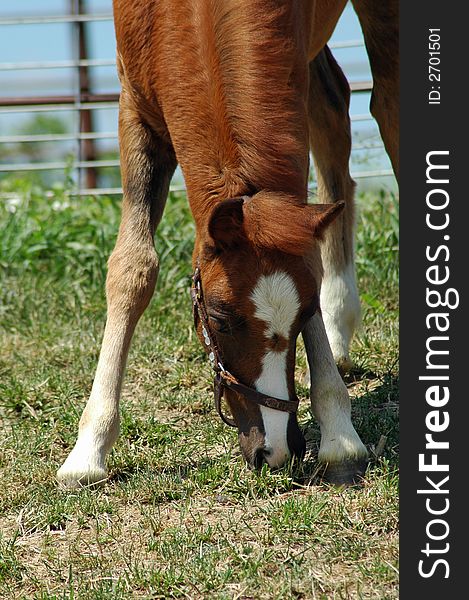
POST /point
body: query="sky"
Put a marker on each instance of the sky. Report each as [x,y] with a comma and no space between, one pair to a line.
[52,42]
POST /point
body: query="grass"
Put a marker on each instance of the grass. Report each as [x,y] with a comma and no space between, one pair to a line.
[181,516]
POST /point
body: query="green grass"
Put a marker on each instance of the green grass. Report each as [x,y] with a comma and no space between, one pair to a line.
[181,516]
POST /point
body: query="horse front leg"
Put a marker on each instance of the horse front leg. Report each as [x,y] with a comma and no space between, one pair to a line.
[147,165]
[341,450]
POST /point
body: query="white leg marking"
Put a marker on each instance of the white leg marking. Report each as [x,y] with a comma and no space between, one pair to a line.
[277,304]
[99,424]
[340,307]
[329,398]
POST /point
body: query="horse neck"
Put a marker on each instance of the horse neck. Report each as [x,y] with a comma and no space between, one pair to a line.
[236,110]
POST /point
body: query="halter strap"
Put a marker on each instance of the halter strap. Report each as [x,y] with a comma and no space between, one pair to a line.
[223,378]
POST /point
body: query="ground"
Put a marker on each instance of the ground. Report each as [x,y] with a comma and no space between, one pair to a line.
[181,515]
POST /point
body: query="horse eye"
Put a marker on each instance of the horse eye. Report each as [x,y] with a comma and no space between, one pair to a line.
[220,322]
[217,319]
[225,322]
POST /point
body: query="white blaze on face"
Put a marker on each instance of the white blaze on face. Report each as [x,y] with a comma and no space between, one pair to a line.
[277,304]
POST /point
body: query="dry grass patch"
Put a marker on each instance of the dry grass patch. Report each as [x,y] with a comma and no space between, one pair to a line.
[308,541]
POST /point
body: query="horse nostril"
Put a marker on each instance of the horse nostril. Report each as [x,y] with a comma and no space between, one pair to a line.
[259,458]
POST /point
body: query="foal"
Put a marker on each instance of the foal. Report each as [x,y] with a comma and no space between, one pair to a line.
[233,91]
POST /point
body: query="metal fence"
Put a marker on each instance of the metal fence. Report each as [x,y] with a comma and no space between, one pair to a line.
[84,163]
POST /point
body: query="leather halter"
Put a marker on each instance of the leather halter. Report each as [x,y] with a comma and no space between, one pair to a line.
[223,378]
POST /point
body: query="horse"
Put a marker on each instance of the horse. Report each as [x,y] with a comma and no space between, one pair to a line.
[238,92]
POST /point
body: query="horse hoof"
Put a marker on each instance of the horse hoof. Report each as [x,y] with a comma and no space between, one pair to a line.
[344,365]
[350,472]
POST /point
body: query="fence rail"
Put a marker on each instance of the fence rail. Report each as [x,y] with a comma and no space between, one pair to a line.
[83,103]
[73,18]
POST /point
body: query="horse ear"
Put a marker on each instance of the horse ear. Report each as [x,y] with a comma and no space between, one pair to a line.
[281,223]
[225,224]
[307,224]
[322,215]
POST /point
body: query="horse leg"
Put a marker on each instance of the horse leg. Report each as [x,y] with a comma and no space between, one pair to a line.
[380,26]
[330,141]
[147,164]
[341,448]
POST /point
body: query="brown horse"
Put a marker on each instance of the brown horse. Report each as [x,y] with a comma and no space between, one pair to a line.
[238,92]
